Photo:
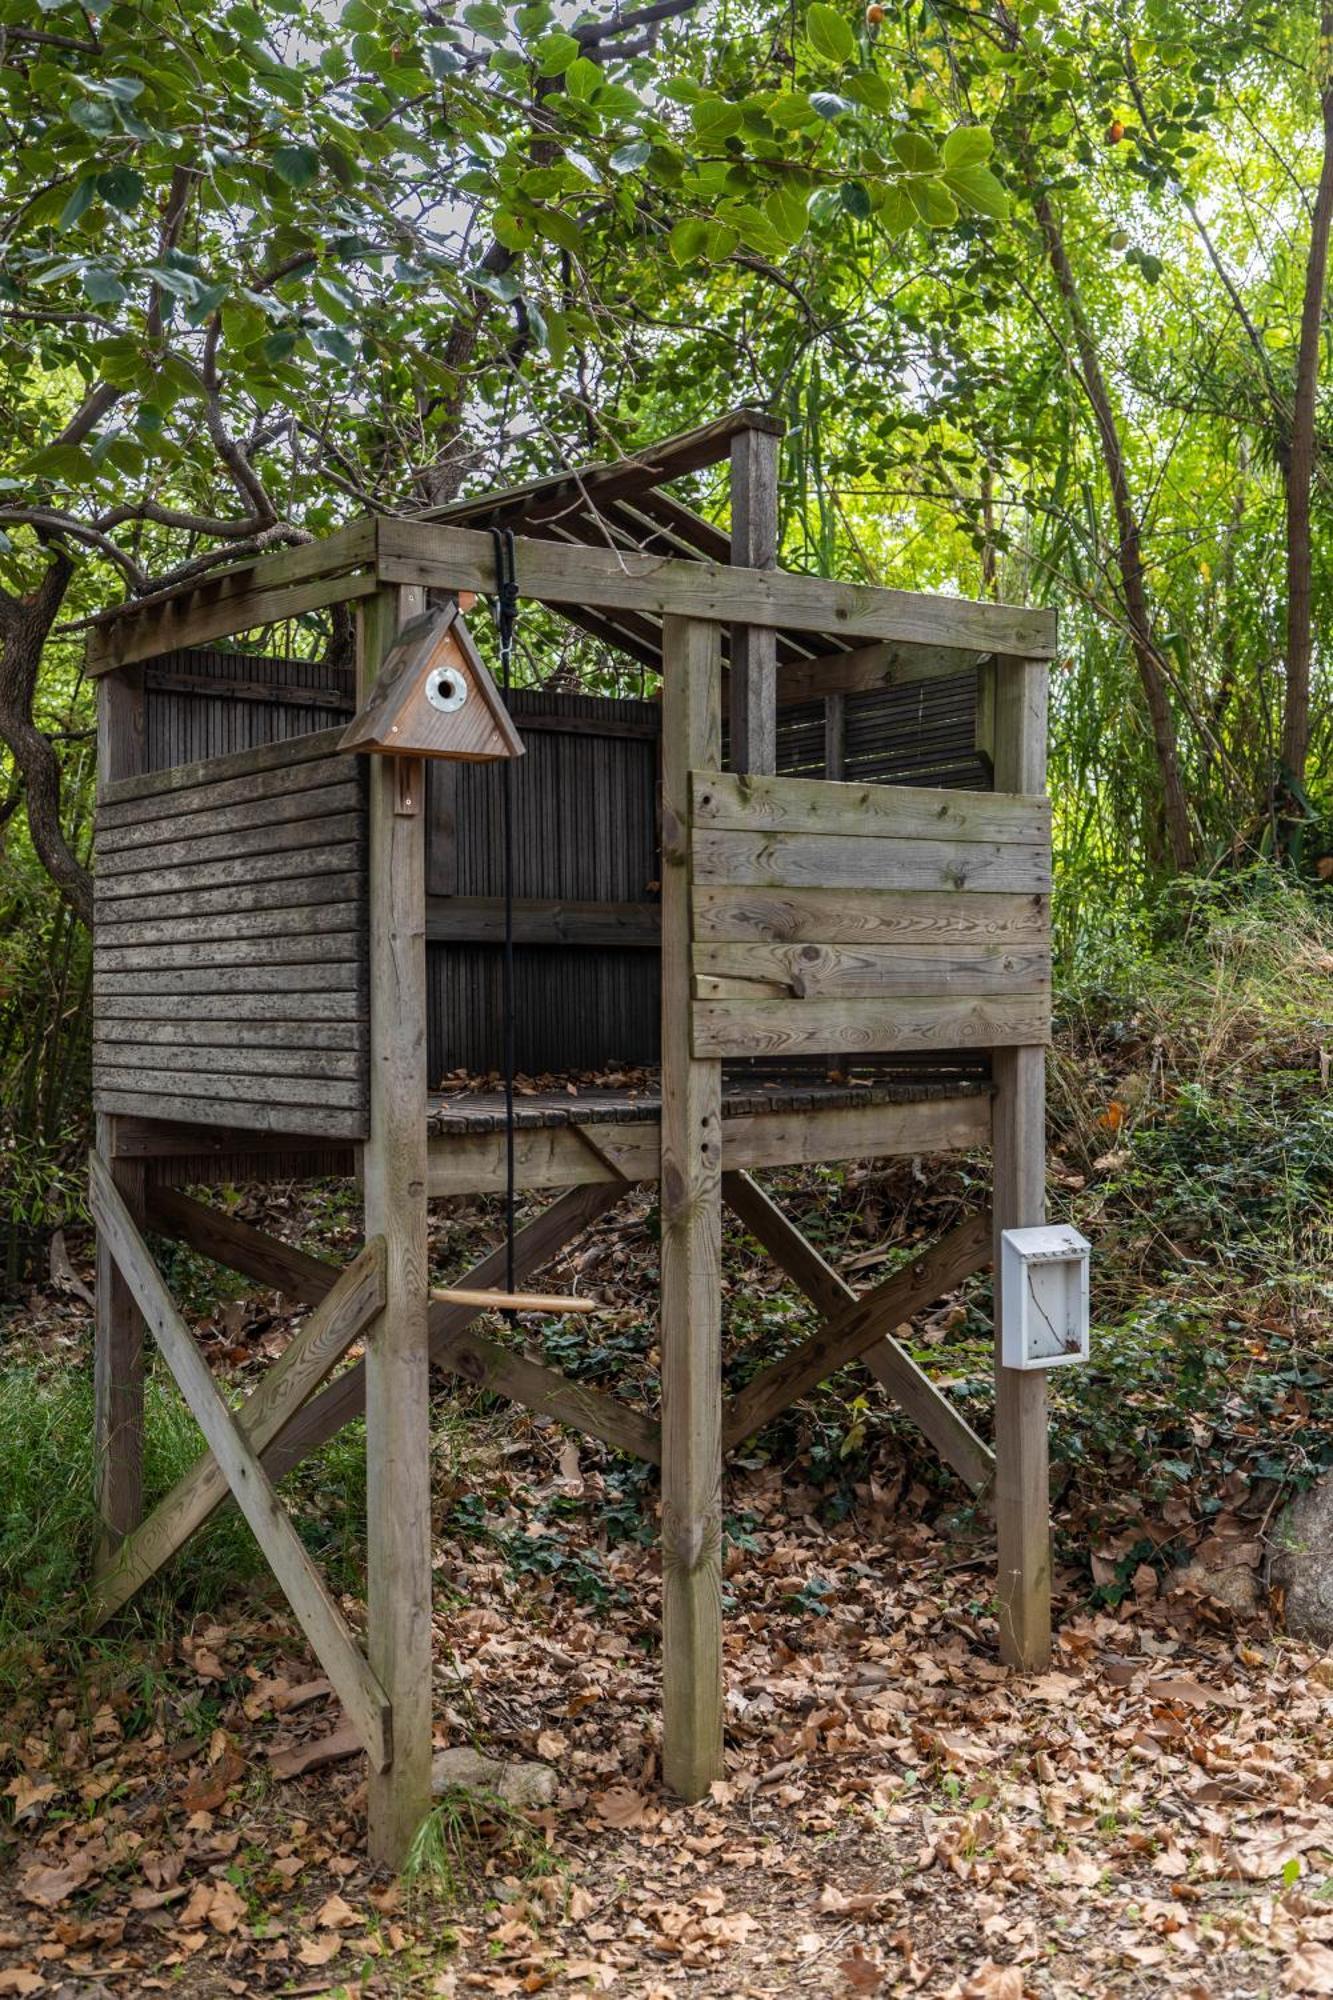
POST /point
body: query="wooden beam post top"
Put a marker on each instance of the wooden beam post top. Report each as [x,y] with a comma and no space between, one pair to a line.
[436,555]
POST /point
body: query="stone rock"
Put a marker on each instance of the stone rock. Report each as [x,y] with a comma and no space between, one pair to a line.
[509,1778]
[1234,1585]
[1302,1562]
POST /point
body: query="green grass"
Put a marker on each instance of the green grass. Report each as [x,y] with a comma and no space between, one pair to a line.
[48,1524]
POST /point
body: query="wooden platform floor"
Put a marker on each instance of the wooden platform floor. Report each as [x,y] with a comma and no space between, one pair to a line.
[449,1114]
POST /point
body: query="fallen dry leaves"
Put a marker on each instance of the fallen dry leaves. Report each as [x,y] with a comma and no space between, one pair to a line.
[899,1816]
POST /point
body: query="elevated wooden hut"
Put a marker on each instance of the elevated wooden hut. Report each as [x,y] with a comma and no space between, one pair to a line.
[806,881]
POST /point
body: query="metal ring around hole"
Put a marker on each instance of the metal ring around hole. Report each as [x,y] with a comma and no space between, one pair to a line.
[446,689]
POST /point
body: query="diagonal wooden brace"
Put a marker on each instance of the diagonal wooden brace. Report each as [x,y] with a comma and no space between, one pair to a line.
[853,1328]
[930,1410]
[350,1304]
[320,1619]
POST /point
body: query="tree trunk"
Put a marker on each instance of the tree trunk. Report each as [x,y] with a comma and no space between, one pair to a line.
[1300,464]
[1129,550]
[25,623]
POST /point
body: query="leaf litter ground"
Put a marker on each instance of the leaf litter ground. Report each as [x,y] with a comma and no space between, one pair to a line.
[1154,1815]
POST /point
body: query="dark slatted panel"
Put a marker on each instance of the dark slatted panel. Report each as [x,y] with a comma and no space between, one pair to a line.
[585,831]
[184,721]
[924,734]
[229,956]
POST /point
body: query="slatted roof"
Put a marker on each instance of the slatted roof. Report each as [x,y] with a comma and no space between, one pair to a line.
[620,504]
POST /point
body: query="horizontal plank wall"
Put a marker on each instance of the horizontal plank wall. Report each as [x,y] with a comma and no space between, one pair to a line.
[229,958]
[821,918]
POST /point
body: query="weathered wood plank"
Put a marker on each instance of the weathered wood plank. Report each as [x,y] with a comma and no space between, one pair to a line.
[357,1686]
[226,1239]
[351,1300]
[345,857]
[691,1256]
[733,1028]
[398,1533]
[182,1084]
[261,769]
[836,861]
[287,895]
[319,948]
[503,1372]
[329,977]
[865,972]
[729,801]
[301,1121]
[480,920]
[259,842]
[1022,1480]
[751,685]
[413,551]
[308,805]
[927,1406]
[854,1328]
[233,605]
[884,915]
[863,668]
[345,1040]
[305,922]
[349,1005]
[557,1156]
[269,694]
[213,1063]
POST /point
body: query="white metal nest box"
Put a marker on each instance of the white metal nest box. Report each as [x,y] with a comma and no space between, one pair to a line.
[1043,1296]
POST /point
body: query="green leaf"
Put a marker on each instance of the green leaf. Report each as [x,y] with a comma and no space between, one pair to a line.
[629,158]
[560,229]
[277,346]
[968,146]
[687,239]
[915,152]
[93,115]
[791,110]
[868,87]
[582,78]
[555,53]
[829,33]
[715,120]
[856,200]
[485,18]
[977,188]
[297,165]
[122,188]
[787,212]
[102,287]
[80,201]
[933,203]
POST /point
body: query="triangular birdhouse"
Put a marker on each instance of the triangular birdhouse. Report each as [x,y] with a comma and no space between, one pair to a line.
[434,698]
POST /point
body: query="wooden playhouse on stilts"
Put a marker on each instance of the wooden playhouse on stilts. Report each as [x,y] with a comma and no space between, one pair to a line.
[808,878]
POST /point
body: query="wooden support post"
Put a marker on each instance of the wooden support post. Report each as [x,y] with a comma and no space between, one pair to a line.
[835,736]
[1018,1115]
[118,1345]
[754,543]
[398,1545]
[691,1197]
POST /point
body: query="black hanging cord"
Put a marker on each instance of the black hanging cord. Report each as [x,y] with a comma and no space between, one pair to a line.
[506,610]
